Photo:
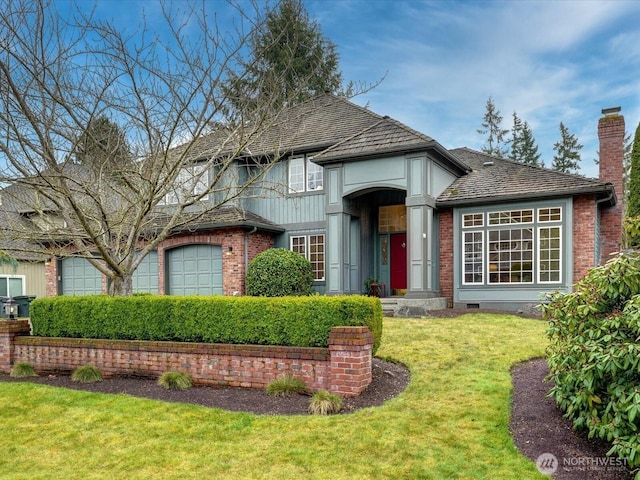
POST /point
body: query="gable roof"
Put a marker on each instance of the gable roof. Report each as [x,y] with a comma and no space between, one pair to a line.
[494,180]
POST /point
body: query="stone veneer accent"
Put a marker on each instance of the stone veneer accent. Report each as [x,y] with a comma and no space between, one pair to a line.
[345,368]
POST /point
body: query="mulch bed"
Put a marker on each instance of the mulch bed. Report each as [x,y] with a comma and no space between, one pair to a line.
[538,429]
[388,380]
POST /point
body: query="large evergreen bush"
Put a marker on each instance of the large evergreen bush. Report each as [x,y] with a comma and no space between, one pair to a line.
[278,272]
[594,355]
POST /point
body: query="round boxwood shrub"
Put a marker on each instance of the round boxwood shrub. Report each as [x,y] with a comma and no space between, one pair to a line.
[278,272]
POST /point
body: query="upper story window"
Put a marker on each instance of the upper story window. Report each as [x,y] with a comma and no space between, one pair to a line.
[192,180]
[304,175]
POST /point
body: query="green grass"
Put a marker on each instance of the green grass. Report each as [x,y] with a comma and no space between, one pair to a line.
[450,423]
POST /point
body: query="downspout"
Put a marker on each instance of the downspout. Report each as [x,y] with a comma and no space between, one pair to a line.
[598,249]
[246,252]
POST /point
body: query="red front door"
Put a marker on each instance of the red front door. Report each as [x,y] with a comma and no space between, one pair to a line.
[398,261]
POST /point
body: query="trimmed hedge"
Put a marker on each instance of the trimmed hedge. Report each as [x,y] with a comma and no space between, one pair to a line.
[287,321]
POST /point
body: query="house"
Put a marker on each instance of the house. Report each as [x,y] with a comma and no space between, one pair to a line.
[370,198]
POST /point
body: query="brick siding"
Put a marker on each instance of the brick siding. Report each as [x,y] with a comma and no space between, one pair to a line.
[446,255]
[234,257]
[611,136]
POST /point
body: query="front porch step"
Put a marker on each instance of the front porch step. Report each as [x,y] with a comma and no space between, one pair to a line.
[411,307]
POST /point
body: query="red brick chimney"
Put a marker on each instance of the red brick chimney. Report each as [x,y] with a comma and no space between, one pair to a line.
[611,135]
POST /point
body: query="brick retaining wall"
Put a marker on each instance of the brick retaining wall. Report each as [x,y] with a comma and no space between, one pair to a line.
[344,368]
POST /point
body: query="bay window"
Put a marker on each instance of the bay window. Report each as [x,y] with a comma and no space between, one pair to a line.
[509,247]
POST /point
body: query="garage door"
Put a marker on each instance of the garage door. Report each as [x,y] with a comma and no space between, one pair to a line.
[195,270]
[145,278]
[79,277]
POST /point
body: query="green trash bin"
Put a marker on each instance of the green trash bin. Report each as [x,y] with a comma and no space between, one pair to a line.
[23,302]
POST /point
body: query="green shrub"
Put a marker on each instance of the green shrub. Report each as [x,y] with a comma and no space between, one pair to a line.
[175,381]
[22,369]
[278,272]
[594,354]
[286,321]
[86,374]
[286,386]
[325,403]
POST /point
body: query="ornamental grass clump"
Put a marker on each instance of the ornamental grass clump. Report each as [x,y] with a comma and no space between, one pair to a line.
[175,381]
[286,386]
[86,374]
[325,403]
[594,354]
[22,369]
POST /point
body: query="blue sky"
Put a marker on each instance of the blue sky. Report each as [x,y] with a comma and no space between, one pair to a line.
[549,61]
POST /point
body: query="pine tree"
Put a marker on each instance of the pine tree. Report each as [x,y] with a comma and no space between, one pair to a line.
[492,126]
[516,139]
[567,157]
[530,154]
[289,51]
[102,146]
[633,205]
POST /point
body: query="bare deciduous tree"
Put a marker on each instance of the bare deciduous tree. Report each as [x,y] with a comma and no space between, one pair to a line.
[60,73]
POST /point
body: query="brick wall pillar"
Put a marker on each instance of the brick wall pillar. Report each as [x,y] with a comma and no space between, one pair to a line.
[9,329]
[350,369]
[446,255]
[611,136]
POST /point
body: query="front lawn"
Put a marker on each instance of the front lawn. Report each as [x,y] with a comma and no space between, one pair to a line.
[450,423]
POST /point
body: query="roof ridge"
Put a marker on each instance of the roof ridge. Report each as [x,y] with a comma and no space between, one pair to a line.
[537,167]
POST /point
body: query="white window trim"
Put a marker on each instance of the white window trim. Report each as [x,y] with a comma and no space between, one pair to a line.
[539,257]
[196,179]
[303,186]
[307,250]
[482,263]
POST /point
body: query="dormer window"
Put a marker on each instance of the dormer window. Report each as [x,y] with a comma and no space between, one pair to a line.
[304,175]
[192,180]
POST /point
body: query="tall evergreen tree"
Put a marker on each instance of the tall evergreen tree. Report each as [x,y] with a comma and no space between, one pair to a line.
[291,52]
[492,127]
[523,145]
[530,154]
[102,146]
[516,139]
[567,157]
[633,203]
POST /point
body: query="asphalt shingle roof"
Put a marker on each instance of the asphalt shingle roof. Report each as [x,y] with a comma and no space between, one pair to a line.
[497,180]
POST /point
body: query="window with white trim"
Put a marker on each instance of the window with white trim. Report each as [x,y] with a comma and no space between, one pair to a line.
[304,175]
[12,285]
[311,247]
[512,247]
[191,181]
